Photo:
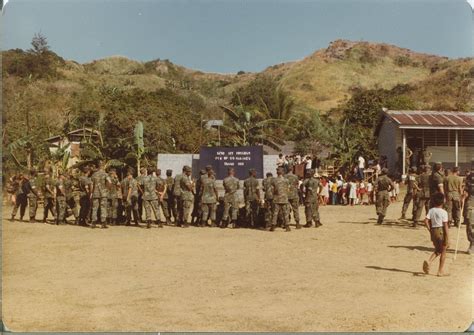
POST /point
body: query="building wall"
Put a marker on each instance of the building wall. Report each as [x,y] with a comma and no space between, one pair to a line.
[388,141]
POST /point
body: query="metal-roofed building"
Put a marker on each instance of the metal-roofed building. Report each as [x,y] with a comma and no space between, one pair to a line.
[448,136]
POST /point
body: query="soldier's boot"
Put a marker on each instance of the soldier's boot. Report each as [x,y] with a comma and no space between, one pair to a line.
[185,225]
[298,226]
[233,224]
[456,224]
[403,217]
[213,224]
[21,218]
[168,221]
[380,219]
[287,228]
[470,251]
[272,228]
[413,224]
[12,218]
[93,224]
[318,224]
[104,225]
[308,225]
[160,224]
[148,224]
[32,219]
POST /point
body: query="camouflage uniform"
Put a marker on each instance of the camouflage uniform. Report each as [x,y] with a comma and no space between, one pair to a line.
[208,193]
[150,198]
[469,210]
[383,186]
[436,179]
[281,188]
[60,202]
[48,193]
[177,192]
[251,200]
[186,199]
[231,185]
[131,202]
[100,180]
[113,199]
[140,180]
[311,204]
[268,197]
[168,200]
[293,197]
[197,213]
[32,198]
[21,199]
[410,195]
[85,187]
[72,189]
[453,199]
[423,197]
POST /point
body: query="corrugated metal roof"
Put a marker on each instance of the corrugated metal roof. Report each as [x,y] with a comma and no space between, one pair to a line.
[432,119]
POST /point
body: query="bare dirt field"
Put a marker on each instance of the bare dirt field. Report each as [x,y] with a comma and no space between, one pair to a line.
[348,275]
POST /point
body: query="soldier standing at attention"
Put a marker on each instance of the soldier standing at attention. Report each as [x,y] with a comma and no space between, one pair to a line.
[436,182]
[453,197]
[293,197]
[209,196]
[162,190]
[60,199]
[252,198]
[383,186]
[177,192]
[100,182]
[150,197]
[411,191]
[140,180]
[21,201]
[423,196]
[130,197]
[32,194]
[311,188]
[187,196]
[85,187]
[71,186]
[281,188]
[196,215]
[268,196]
[168,198]
[113,197]
[231,185]
[469,210]
[48,193]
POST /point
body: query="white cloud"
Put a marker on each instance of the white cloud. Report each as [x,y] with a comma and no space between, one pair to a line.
[471,3]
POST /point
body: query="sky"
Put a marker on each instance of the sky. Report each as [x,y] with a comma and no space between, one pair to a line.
[232,35]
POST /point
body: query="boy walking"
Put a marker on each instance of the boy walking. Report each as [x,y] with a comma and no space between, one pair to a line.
[437,223]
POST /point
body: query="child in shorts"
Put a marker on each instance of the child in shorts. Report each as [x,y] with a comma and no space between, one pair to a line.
[437,223]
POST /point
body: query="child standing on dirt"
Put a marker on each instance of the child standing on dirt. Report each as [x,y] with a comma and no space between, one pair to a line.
[437,223]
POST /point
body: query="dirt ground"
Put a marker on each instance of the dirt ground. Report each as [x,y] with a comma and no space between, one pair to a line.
[348,275]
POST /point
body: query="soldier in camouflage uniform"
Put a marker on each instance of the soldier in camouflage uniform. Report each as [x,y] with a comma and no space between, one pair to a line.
[168,198]
[469,209]
[252,198]
[100,183]
[209,196]
[71,185]
[231,185]
[150,198]
[196,215]
[140,180]
[187,196]
[436,182]
[293,196]
[130,197]
[32,195]
[61,199]
[268,198]
[177,192]
[281,188]
[412,188]
[21,200]
[454,192]
[162,191]
[114,195]
[85,188]
[423,196]
[383,186]
[310,188]
[48,194]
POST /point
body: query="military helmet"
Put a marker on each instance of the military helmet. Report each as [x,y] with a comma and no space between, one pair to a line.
[187,168]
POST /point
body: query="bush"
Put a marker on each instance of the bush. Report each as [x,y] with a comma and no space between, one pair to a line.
[403,61]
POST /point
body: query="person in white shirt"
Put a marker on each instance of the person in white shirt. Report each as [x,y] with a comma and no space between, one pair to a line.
[361,167]
[280,161]
[308,163]
[436,222]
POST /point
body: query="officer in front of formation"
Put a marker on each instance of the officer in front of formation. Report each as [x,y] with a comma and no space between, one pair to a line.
[209,196]
[231,185]
[469,208]
[382,188]
[310,189]
[281,188]
[412,189]
[252,198]
[100,183]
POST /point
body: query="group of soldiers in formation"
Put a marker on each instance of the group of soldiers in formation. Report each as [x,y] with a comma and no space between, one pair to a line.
[422,189]
[94,196]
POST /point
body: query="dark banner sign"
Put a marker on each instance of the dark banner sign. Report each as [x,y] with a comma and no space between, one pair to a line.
[240,158]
